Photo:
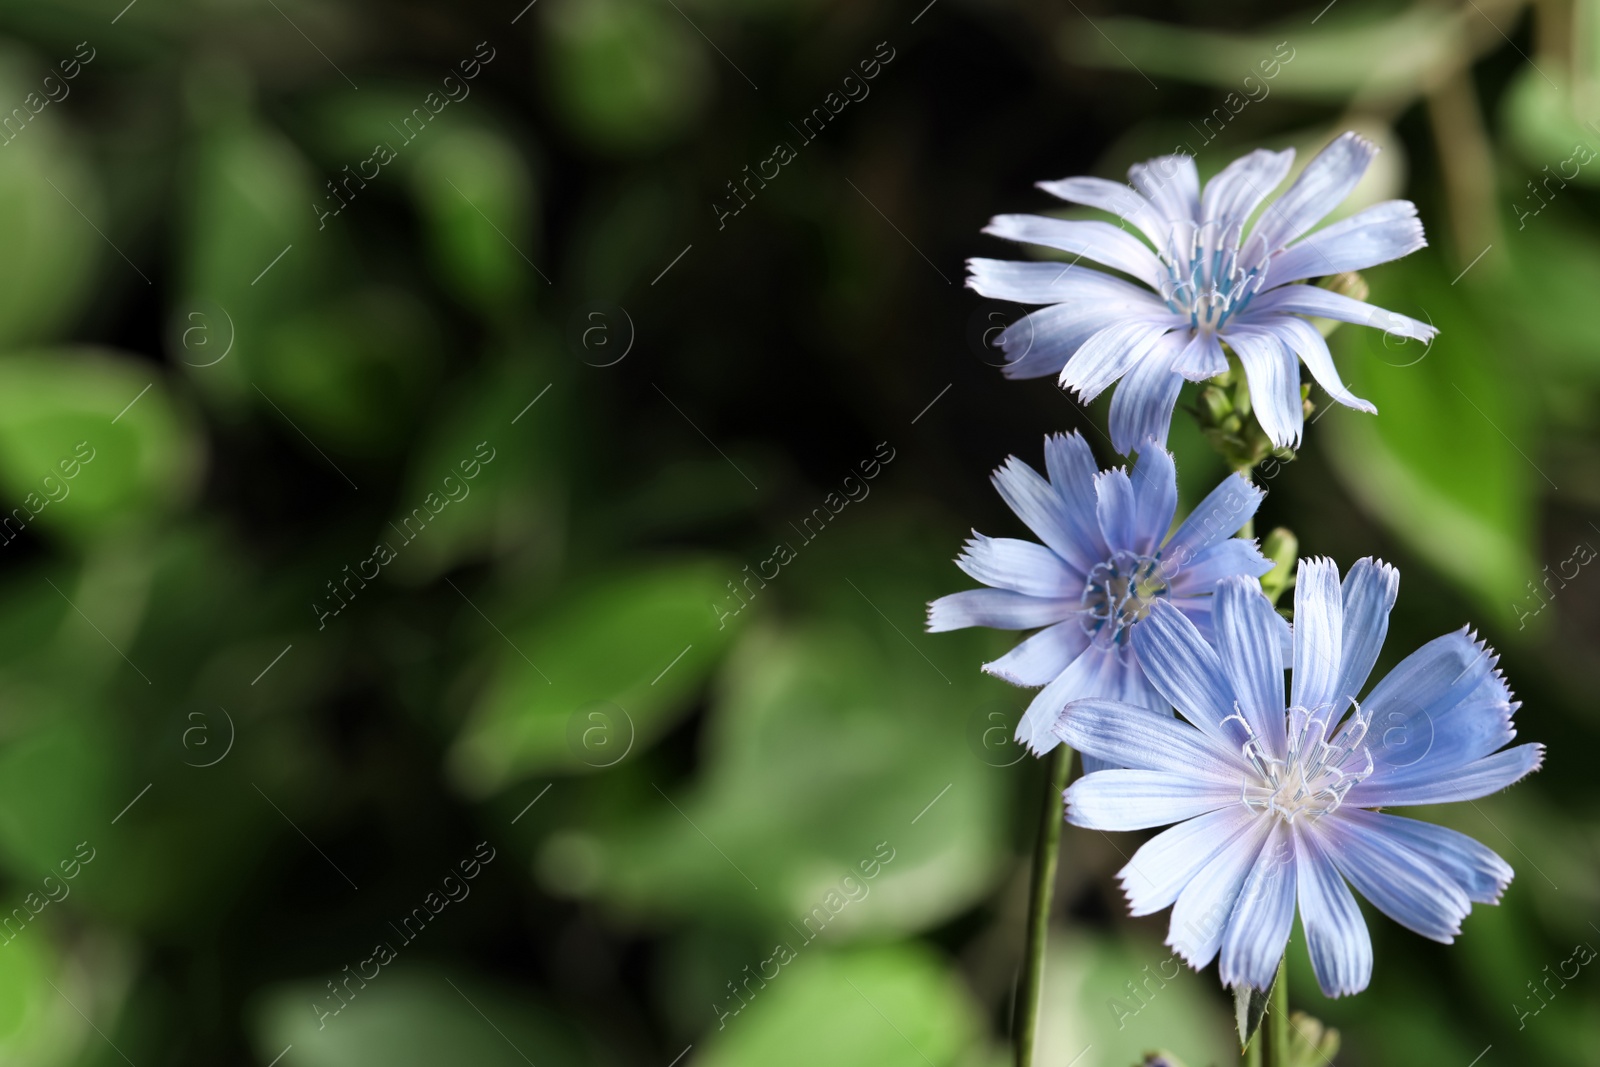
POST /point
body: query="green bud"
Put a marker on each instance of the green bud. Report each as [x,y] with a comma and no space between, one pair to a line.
[1311,1044]
[1281,547]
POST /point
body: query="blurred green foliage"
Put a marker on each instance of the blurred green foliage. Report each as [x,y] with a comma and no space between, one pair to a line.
[277,366]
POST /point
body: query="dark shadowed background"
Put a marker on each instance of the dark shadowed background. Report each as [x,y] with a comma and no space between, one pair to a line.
[475,472]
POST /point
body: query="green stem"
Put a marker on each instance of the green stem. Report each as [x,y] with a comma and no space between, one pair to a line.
[1046,849]
[1252,1052]
[1278,1018]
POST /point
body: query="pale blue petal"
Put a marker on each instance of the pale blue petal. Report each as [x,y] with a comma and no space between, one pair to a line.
[1042,657]
[1325,303]
[1321,187]
[1140,739]
[1426,783]
[1202,357]
[1138,800]
[1169,861]
[1055,283]
[1171,184]
[1155,497]
[1118,199]
[1304,340]
[1381,233]
[1112,352]
[1222,560]
[1411,891]
[1101,242]
[1217,517]
[1047,512]
[1141,408]
[1001,609]
[1041,342]
[1318,641]
[1114,507]
[1336,934]
[1250,646]
[1369,593]
[1023,566]
[1262,917]
[1200,915]
[1096,672]
[1478,870]
[1071,465]
[1185,669]
[1232,195]
[1274,378]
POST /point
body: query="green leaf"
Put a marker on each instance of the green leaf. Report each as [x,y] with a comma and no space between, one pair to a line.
[476,198]
[1382,55]
[600,674]
[627,75]
[407,1018]
[1249,1008]
[889,1006]
[51,249]
[91,442]
[250,248]
[1451,463]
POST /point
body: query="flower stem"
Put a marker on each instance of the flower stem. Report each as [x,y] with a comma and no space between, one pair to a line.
[1046,848]
[1278,1018]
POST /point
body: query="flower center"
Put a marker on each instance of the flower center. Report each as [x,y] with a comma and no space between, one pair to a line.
[1205,275]
[1314,778]
[1117,594]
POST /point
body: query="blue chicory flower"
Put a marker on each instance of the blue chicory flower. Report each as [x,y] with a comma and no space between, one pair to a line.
[1274,800]
[1106,558]
[1205,284]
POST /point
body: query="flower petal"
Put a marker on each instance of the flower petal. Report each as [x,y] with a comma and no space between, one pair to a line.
[1258,930]
[1155,497]
[1321,187]
[1218,516]
[1071,465]
[1411,891]
[1426,783]
[1112,352]
[1055,283]
[1147,740]
[1042,657]
[1318,640]
[1369,592]
[1305,341]
[1184,669]
[1041,342]
[1327,304]
[1236,555]
[1001,609]
[1137,800]
[1379,234]
[1114,508]
[1096,672]
[1023,566]
[1274,377]
[1048,513]
[1121,200]
[1101,242]
[1141,408]
[1249,644]
[1336,934]
[1231,196]
[1477,869]
[1202,357]
[1169,861]
[1200,915]
[1171,184]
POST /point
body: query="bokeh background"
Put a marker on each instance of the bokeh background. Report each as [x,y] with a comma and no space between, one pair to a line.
[534,352]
